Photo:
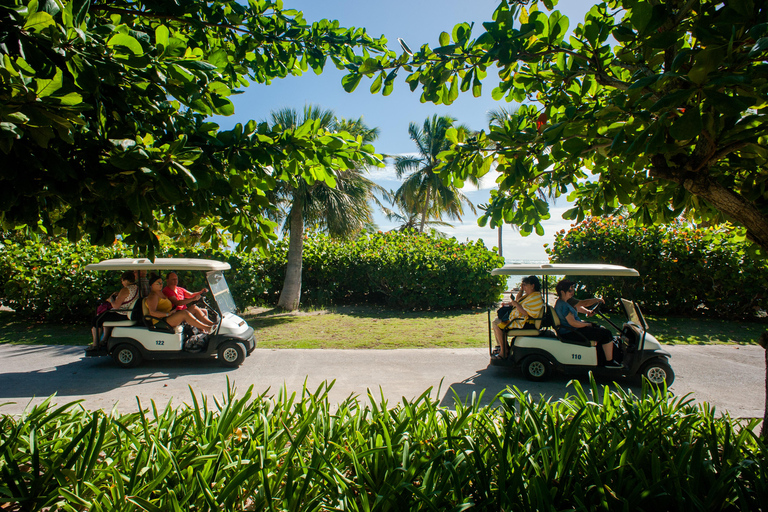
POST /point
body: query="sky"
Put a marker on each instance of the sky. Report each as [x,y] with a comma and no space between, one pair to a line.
[417,22]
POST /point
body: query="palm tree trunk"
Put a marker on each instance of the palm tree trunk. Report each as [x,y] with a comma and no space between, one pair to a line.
[291,293]
[763,341]
[426,208]
[501,253]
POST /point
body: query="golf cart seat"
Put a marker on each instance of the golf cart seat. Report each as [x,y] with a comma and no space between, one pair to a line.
[156,324]
[555,322]
[524,332]
[129,321]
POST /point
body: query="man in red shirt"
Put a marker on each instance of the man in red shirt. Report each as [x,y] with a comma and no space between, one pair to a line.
[183,299]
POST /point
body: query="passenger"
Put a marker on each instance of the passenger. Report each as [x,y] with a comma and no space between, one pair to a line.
[117,307]
[160,307]
[526,306]
[573,328]
[182,298]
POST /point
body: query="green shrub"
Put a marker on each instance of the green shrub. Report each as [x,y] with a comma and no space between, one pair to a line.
[683,271]
[403,270]
[46,280]
[591,451]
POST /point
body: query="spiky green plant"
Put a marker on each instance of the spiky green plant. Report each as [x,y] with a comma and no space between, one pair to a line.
[597,449]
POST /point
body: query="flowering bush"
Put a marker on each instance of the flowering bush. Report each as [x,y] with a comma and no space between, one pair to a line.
[683,271]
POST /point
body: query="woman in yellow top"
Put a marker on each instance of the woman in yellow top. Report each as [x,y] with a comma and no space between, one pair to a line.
[161,308]
[527,305]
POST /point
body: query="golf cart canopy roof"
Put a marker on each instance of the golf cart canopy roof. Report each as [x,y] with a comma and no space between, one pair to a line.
[158,264]
[562,269]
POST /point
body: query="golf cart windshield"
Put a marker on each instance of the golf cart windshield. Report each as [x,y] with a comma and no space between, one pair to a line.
[221,293]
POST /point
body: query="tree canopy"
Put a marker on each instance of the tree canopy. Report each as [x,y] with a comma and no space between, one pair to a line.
[659,105]
[103,110]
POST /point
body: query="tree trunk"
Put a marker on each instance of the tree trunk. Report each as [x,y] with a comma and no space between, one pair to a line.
[291,293]
[763,341]
[426,208]
[501,253]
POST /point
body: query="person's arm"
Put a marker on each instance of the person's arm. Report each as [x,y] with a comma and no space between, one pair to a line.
[119,298]
[190,297]
[519,311]
[152,301]
[578,324]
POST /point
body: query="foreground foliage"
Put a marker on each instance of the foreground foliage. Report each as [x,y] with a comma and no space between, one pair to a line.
[683,271]
[299,452]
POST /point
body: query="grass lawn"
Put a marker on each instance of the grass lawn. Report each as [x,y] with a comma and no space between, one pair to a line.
[369,327]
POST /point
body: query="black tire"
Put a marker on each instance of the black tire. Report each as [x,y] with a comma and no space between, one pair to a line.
[657,372]
[536,368]
[231,354]
[126,356]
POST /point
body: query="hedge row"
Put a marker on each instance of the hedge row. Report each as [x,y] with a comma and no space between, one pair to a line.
[683,271]
[46,280]
[595,450]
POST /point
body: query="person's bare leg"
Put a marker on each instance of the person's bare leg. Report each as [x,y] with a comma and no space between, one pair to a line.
[201,315]
[608,349]
[185,316]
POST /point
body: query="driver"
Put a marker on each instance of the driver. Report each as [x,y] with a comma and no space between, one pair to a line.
[160,307]
[573,328]
[182,298]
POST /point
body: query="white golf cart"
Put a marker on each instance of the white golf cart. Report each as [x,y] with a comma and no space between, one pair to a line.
[136,338]
[538,351]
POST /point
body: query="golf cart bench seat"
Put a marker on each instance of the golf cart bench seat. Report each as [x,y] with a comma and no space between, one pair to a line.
[120,323]
[555,322]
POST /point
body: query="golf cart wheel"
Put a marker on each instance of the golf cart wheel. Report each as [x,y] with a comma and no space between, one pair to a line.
[231,354]
[657,373]
[536,368]
[126,356]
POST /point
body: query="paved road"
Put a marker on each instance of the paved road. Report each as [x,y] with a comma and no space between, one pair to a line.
[729,377]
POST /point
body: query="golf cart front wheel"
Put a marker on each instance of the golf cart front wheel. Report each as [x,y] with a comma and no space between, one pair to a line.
[657,373]
[536,368]
[126,356]
[231,354]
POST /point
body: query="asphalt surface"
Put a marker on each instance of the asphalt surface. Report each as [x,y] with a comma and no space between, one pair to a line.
[730,378]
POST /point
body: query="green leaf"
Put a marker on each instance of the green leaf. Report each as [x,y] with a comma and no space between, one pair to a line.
[162,37]
[445,39]
[641,15]
[350,81]
[129,42]
[687,126]
[376,85]
[39,21]
[760,46]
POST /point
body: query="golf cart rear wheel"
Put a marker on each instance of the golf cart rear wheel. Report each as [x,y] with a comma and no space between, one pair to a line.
[536,368]
[231,354]
[126,356]
[657,373]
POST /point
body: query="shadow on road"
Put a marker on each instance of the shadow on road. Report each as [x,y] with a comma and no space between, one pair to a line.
[91,376]
[493,380]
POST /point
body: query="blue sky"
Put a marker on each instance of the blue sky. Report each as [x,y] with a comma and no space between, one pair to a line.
[417,22]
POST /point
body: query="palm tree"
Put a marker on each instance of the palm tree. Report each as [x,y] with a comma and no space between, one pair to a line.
[409,220]
[423,191]
[343,211]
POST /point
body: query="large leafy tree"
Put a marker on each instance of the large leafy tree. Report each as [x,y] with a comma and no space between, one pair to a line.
[657,105]
[423,191]
[103,110]
[336,198]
